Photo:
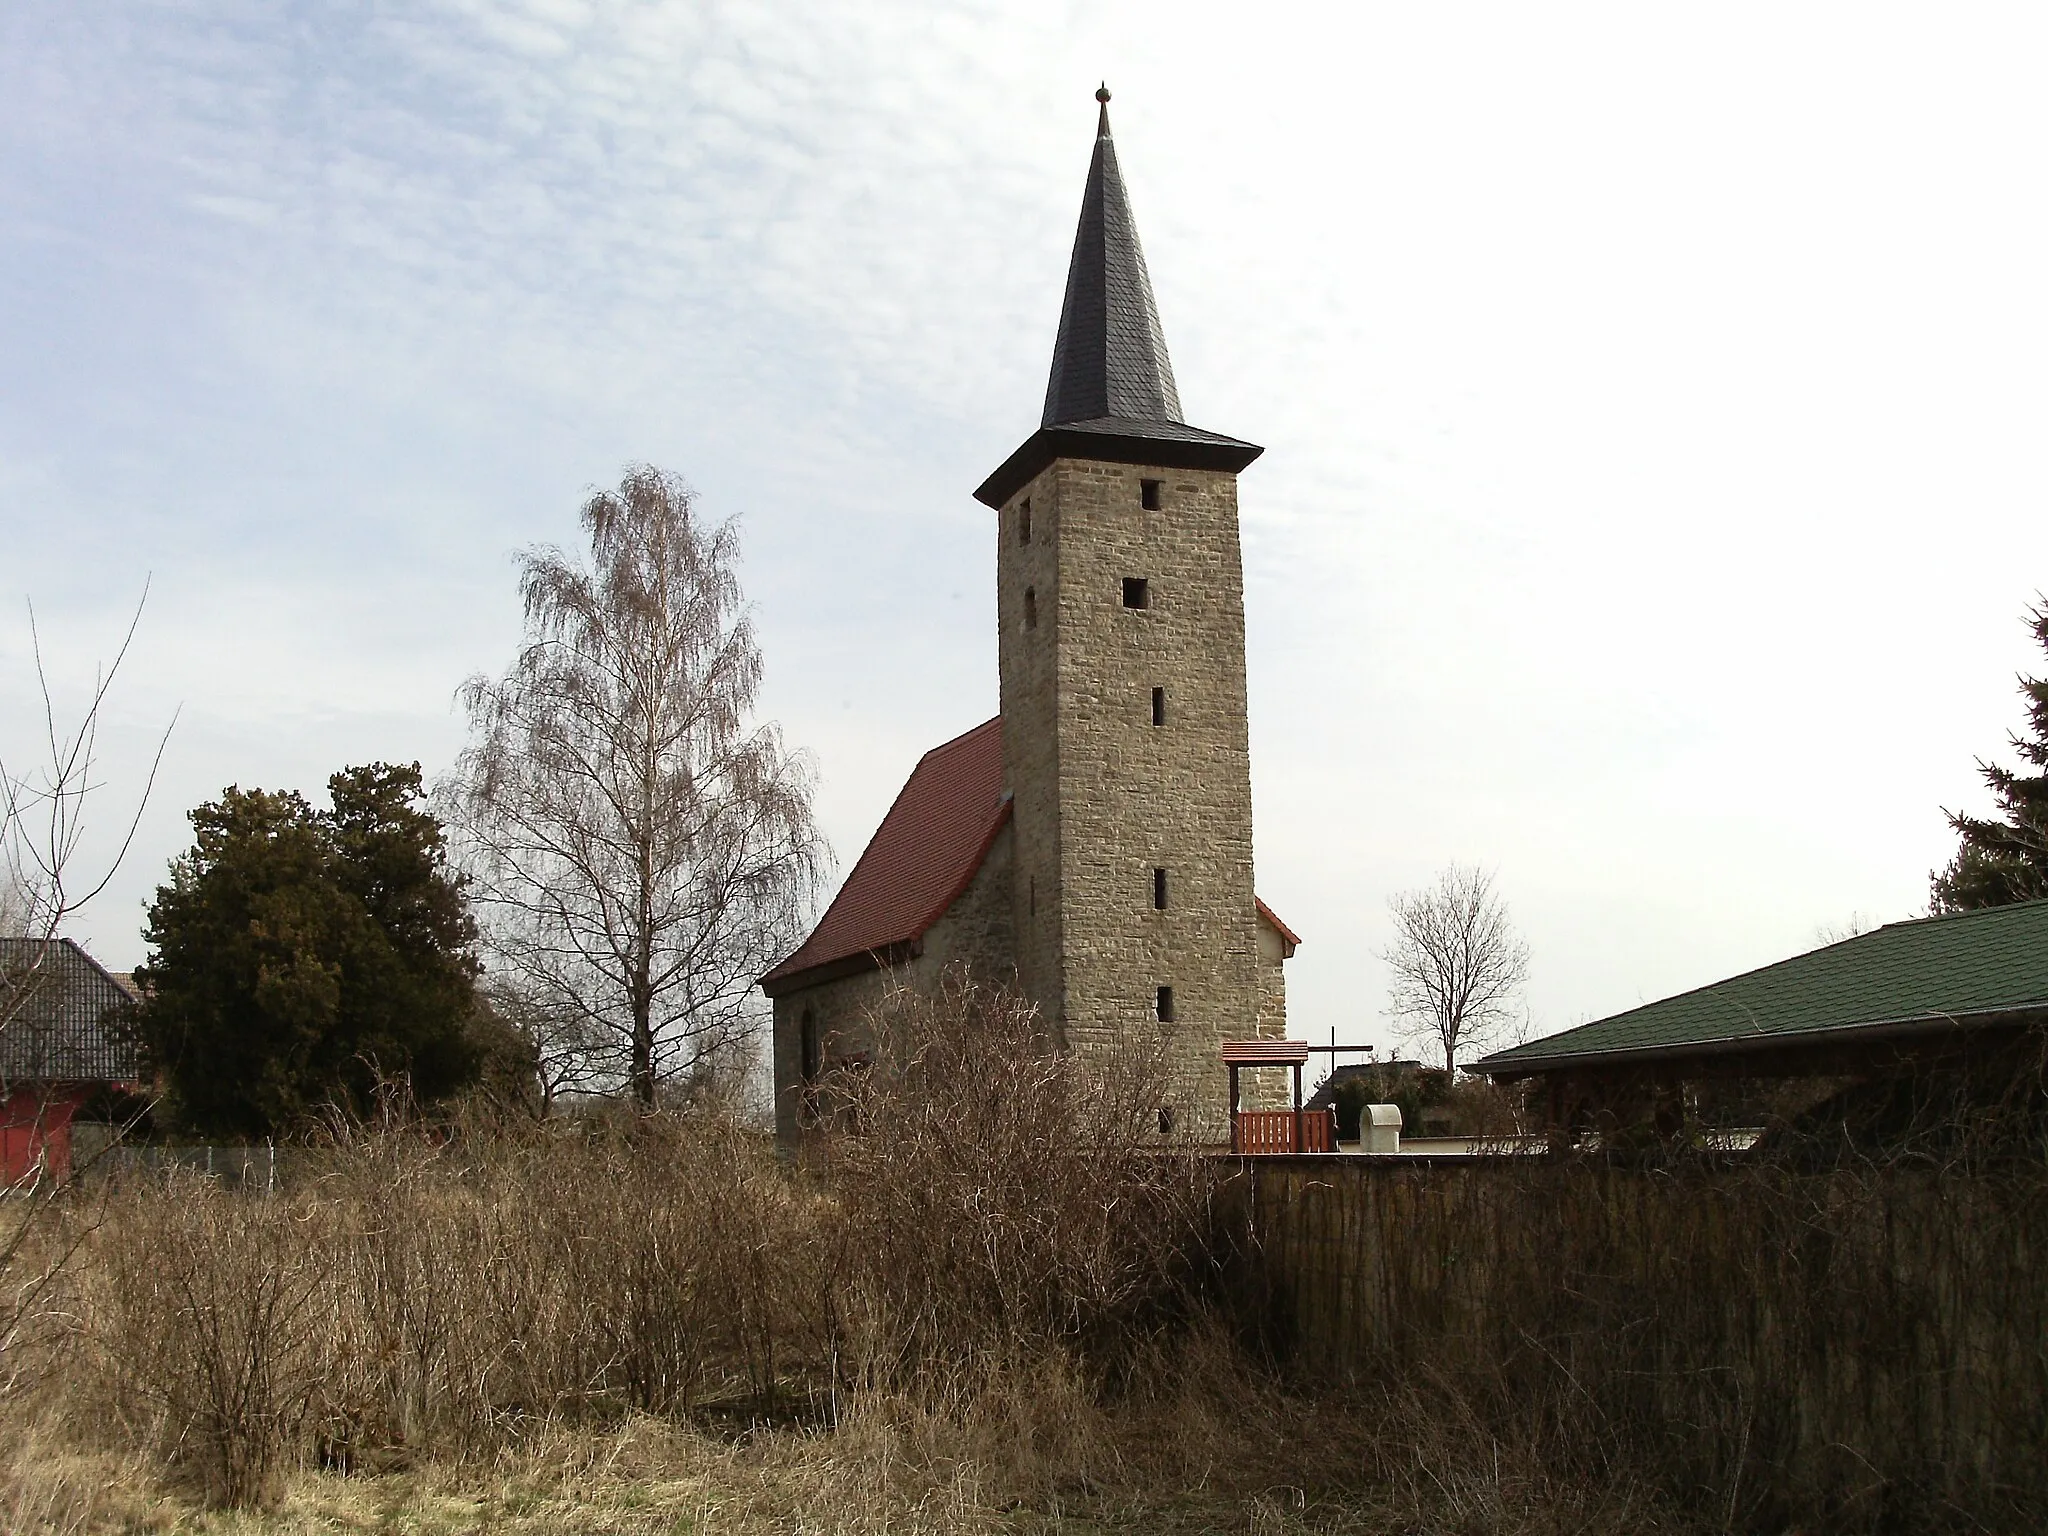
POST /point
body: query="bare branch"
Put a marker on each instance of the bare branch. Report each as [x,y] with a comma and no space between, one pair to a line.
[43,815]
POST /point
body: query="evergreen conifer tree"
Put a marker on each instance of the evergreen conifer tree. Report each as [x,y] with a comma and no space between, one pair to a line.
[2005,858]
[299,956]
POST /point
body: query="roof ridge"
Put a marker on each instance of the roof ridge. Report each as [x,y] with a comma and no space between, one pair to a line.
[55,941]
[1840,970]
[956,740]
[1945,917]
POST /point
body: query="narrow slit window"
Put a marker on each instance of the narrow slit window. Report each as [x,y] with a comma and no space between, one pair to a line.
[1159,890]
[1137,592]
[1166,1119]
[1159,706]
[1030,608]
[813,1056]
[1024,521]
[1148,495]
[1165,1005]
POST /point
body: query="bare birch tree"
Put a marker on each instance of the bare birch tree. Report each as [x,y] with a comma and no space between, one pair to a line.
[1458,965]
[639,850]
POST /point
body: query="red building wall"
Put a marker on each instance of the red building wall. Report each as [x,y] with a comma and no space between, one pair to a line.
[35,1130]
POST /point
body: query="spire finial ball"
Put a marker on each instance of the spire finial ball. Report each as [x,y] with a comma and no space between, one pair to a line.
[1102,93]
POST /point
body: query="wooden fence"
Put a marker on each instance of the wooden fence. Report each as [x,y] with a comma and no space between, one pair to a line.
[1803,1346]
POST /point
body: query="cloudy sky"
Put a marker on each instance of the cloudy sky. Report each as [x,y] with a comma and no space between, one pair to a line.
[1653,402]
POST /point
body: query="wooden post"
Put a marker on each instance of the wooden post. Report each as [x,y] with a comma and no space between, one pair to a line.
[1233,1107]
[1297,1107]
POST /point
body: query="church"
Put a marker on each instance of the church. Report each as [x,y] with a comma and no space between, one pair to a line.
[1091,846]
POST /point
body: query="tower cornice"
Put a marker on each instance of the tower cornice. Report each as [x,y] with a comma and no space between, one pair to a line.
[1115,440]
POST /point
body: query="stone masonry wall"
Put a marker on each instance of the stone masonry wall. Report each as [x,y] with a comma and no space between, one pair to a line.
[1027,609]
[1272,983]
[840,1009]
[976,931]
[974,934]
[1270,1088]
[1104,796]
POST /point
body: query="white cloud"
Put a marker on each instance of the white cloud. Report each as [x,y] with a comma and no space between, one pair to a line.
[1650,400]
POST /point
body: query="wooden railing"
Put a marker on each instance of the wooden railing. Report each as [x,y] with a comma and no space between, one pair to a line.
[1256,1131]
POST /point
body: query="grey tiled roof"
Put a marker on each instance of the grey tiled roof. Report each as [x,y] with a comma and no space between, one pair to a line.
[1152,431]
[1110,359]
[58,1007]
[1904,975]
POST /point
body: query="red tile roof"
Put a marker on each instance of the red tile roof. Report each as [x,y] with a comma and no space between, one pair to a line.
[919,860]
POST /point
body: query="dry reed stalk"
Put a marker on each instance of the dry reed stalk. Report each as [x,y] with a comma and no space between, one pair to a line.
[997,1204]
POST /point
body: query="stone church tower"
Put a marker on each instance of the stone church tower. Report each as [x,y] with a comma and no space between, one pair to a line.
[1120,599]
[1093,845]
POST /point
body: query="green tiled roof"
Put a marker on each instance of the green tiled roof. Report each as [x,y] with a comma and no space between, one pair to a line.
[1990,961]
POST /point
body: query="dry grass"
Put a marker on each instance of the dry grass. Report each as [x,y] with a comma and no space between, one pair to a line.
[951,1321]
[893,1469]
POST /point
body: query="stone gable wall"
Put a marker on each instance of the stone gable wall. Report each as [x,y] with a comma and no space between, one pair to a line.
[974,934]
[1271,1088]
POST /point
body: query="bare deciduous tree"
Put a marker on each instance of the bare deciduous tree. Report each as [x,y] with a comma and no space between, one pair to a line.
[1458,964]
[43,823]
[639,850]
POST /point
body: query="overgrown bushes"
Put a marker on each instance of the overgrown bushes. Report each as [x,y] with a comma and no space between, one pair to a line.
[419,1297]
[415,1293]
[989,1280]
[997,1203]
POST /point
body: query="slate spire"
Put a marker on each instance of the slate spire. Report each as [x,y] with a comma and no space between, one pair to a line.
[1110,359]
[1111,397]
